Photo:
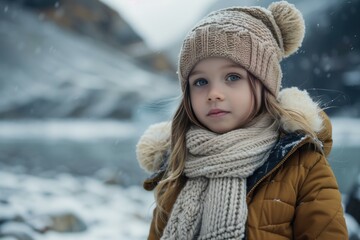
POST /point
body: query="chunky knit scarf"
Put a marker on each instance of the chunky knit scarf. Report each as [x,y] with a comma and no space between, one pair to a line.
[212,204]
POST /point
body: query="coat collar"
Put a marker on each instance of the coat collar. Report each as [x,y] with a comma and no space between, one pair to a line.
[278,155]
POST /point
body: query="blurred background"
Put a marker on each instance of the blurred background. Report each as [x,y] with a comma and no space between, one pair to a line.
[80,81]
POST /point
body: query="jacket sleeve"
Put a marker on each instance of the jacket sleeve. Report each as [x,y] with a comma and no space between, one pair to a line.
[319,213]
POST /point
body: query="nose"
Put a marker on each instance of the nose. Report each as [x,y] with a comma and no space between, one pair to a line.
[216,94]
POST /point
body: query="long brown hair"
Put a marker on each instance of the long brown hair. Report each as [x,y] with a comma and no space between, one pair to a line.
[184,117]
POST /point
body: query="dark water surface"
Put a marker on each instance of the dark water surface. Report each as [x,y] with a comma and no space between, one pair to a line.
[117,156]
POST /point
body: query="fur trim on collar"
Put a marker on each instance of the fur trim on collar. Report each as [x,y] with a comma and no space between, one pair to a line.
[153,145]
[300,101]
[155,142]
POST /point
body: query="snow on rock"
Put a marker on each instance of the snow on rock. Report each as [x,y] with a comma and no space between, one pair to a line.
[352,227]
[65,207]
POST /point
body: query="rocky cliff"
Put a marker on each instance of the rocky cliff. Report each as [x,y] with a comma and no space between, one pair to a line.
[71,59]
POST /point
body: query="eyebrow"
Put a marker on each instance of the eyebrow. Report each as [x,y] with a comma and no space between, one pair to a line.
[194,73]
[232,65]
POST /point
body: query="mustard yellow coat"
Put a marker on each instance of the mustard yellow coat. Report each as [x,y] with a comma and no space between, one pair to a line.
[294,195]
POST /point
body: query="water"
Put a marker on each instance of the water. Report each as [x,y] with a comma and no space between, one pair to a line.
[346,166]
[95,153]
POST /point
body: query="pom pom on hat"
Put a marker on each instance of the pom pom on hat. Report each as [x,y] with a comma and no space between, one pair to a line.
[291,25]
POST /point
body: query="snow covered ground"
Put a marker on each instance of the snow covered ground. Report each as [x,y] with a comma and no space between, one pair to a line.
[29,205]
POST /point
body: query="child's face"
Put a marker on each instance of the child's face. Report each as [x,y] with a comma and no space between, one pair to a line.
[221,95]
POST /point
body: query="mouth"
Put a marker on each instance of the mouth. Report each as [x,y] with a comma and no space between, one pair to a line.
[217,113]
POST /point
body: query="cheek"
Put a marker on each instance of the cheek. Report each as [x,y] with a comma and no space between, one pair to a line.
[245,95]
[247,101]
[194,99]
[250,103]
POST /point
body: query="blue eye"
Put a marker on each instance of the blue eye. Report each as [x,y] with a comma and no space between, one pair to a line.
[232,78]
[200,82]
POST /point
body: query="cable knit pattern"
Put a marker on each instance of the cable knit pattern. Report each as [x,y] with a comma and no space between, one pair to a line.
[212,205]
[254,37]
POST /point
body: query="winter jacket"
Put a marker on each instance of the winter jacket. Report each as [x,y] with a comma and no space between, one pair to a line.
[294,195]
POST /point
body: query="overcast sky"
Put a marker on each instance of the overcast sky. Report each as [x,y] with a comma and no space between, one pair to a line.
[163,22]
[154,19]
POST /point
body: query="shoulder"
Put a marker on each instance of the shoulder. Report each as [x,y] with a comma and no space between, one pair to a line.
[308,171]
[305,182]
[299,152]
[285,157]
[304,164]
[306,156]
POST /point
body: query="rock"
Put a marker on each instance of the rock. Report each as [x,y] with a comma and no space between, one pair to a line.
[40,224]
[352,227]
[37,3]
[8,238]
[48,72]
[16,230]
[67,222]
[353,202]
[7,214]
[354,237]
[95,19]
[15,236]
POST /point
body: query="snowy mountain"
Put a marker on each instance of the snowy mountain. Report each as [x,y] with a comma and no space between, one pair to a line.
[48,72]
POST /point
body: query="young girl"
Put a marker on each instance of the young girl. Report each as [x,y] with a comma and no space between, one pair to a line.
[241,160]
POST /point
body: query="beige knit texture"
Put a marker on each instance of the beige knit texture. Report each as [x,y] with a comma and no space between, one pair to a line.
[212,204]
[291,24]
[253,37]
[152,146]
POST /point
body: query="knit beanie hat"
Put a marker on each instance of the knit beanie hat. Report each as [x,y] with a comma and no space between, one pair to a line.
[254,37]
